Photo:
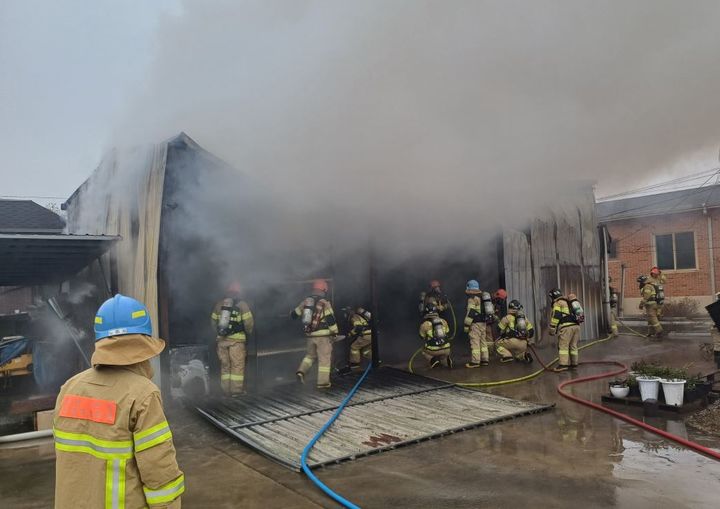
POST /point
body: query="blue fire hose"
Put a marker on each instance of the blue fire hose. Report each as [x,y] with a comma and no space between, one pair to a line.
[303,458]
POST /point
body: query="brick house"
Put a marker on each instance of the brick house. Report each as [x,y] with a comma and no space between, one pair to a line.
[24,217]
[677,231]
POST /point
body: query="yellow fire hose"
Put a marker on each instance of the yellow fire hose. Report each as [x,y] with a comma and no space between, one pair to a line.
[511,380]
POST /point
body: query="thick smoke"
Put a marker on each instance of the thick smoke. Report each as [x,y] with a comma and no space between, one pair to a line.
[408,112]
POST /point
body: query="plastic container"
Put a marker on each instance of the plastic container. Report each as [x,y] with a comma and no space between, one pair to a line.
[619,391]
[649,387]
[674,389]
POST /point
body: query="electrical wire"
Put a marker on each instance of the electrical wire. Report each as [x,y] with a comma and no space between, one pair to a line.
[660,185]
[306,451]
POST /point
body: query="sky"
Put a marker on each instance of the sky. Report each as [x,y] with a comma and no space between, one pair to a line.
[620,93]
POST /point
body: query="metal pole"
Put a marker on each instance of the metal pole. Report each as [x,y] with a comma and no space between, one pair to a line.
[621,313]
[373,305]
[712,257]
[606,300]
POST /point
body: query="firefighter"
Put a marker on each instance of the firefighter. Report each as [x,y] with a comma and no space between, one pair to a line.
[435,296]
[233,322]
[479,313]
[434,331]
[320,328]
[500,302]
[613,312]
[113,444]
[565,319]
[360,335]
[515,331]
[715,334]
[657,279]
[649,304]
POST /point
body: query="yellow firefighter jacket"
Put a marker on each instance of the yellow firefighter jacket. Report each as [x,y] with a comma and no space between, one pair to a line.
[114,447]
[428,334]
[323,320]
[561,316]
[509,330]
[647,292]
[359,326]
[473,313]
[241,319]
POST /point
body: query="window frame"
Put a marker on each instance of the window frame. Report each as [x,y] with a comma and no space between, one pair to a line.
[674,251]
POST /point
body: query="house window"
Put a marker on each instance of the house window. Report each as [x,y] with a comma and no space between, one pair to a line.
[675,251]
[613,248]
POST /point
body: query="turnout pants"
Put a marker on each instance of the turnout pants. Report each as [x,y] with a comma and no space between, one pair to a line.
[613,322]
[360,348]
[431,354]
[568,338]
[512,347]
[478,342]
[318,348]
[651,312]
[231,353]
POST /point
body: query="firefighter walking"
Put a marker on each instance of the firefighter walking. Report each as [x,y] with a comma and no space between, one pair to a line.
[613,310]
[320,327]
[649,303]
[360,335]
[515,331]
[434,332]
[479,313]
[113,444]
[233,322]
[657,279]
[566,316]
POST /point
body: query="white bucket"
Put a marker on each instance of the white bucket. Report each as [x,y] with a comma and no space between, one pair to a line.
[674,390]
[649,386]
[619,391]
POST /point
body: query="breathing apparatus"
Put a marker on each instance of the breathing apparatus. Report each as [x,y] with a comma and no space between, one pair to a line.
[308,310]
[223,324]
[488,307]
[576,308]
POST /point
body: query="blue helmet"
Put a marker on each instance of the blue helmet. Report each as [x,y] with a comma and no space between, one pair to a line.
[472,286]
[122,315]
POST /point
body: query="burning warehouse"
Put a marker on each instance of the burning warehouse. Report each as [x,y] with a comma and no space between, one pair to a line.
[190,225]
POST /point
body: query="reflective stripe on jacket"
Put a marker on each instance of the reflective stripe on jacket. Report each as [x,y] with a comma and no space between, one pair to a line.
[507,327]
[561,316]
[473,313]
[326,322]
[359,326]
[427,334]
[113,445]
[241,319]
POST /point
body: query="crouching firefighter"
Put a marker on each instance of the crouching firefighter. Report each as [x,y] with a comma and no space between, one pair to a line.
[515,331]
[613,310]
[434,331]
[320,327]
[565,318]
[113,444]
[649,303]
[360,335]
[233,322]
[479,314]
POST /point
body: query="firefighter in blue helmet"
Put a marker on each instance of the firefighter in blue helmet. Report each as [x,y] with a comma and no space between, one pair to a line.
[113,443]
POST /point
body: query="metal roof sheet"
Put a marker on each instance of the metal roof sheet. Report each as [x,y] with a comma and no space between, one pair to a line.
[656,204]
[28,260]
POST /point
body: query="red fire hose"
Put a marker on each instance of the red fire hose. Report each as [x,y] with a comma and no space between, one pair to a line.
[623,368]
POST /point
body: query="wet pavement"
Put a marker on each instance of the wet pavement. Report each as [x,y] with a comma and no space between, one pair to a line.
[571,456]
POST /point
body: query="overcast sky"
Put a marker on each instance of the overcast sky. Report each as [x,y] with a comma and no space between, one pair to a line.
[70,71]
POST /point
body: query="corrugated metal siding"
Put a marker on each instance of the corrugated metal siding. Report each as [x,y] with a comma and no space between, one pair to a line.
[391,409]
[563,251]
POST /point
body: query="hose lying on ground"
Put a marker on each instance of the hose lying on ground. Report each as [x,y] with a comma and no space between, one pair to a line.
[306,451]
[682,441]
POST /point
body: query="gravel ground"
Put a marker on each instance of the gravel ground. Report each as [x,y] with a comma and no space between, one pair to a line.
[707,420]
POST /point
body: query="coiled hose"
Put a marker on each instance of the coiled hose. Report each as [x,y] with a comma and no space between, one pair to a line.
[306,451]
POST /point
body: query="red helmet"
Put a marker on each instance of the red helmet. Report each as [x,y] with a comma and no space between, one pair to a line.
[320,285]
[434,283]
[500,294]
[234,287]
[655,271]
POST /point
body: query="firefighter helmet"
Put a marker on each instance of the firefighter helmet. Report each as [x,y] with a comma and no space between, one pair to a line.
[472,286]
[514,304]
[234,288]
[320,285]
[434,284]
[122,315]
[655,271]
[500,294]
[430,309]
[555,293]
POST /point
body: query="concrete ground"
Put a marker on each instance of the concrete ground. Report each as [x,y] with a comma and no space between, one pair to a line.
[571,456]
